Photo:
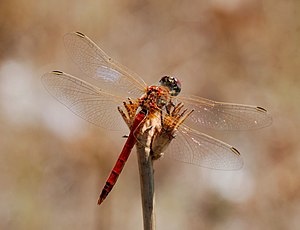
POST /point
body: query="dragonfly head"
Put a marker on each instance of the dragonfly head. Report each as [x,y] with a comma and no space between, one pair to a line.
[172,83]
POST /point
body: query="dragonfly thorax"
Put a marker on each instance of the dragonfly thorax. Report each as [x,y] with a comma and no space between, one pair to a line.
[155,98]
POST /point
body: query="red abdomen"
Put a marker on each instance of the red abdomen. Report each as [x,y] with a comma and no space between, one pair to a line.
[131,140]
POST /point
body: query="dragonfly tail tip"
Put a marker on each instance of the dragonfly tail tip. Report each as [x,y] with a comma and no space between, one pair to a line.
[102,197]
[100,200]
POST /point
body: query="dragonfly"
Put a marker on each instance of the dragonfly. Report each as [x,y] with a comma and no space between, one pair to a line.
[181,116]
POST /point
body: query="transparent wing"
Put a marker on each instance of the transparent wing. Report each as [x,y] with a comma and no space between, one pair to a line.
[85,100]
[112,77]
[200,149]
[224,116]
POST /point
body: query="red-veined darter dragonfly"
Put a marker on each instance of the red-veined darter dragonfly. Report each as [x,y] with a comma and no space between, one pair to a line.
[98,103]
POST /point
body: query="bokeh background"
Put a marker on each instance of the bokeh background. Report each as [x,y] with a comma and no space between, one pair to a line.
[53,164]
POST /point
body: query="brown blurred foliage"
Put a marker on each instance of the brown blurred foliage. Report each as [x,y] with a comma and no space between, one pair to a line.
[52,165]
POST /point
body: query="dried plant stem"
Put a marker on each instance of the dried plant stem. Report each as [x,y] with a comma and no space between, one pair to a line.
[152,140]
[144,136]
[146,178]
[147,186]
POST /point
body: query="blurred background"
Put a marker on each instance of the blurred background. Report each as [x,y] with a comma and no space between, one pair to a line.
[53,164]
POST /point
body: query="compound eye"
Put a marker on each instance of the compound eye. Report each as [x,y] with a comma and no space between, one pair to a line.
[172,83]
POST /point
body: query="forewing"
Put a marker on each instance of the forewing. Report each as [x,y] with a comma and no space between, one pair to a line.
[200,149]
[85,100]
[112,77]
[224,116]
